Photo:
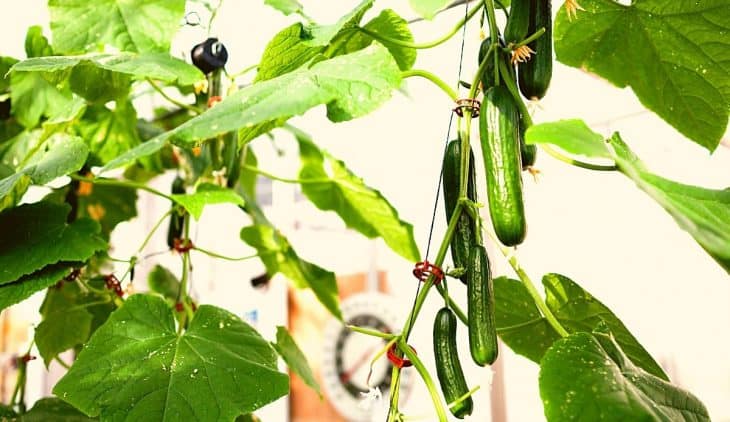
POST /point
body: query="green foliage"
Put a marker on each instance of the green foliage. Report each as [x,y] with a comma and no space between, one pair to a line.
[331,186]
[525,331]
[41,237]
[53,409]
[18,291]
[279,257]
[428,8]
[66,322]
[588,377]
[286,7]
[287,348]
[135,25]
[573,136]
[163,282]
[674,55]
[109,133]
[206,194]
[197,374]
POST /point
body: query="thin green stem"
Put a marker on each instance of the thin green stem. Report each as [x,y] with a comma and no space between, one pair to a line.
[433,78]
[423,372]
[492,18]
[530,286]
[464,397]
[480,70]
[272,176]
[152,232]
[242,72]
[374,333]
[453,305]
[62,363]
[120,183]
[573,162]
[224,257]
[182,295]
[394,41]
[172,100]
[539,33]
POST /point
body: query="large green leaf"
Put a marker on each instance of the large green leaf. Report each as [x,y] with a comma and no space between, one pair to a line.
[578,311]
[33,97]
[675,55]
[163,282]
[286,7]
[296,45]
[54,409]
[527,332]
[129,25]
[206,194]
[64,324]
[109,133]
[279,257]
[40,237]
[428,8]
[62,154]
[159,66]
[573,136]
[137,367]
[294,357]
[331,186]
[22,289]
[519,323]
[704,213]
[588,377]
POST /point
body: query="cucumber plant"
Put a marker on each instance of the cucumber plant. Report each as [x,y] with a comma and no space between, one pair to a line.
[68,122]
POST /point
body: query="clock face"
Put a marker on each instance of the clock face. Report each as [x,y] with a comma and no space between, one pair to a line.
[348,354]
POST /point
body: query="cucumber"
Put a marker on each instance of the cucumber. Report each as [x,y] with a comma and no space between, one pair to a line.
[535,74]
[465,232]
[448,367]
[499,121]
[487,76]
[174,230]
[518,22]
[480,308]
[528,152]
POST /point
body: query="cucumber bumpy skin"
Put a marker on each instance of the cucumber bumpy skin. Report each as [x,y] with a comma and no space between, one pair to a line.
[499,134]
[480,308]
[465,232]
[448,367]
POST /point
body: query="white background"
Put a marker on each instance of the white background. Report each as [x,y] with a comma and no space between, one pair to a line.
[596,228]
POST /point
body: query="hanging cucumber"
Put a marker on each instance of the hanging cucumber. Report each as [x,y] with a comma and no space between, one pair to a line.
[480,307]
[528,152]
[535,74]
[518,22]
[465,232]
[499,134]
[488,74]
[448,367]
[174,231]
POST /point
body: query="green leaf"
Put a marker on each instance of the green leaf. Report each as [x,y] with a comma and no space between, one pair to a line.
[294,357]
[704,213]
[588,377]
[361,208]
[674,55]
[61,331]
[159,66]
[5,64]
[110,133]
[129,25]
[24,288]
[206,194]
[36,45]
[286,7]
[573,136]
[99,85]
[578,311]
[54,409]
[63,154]
[109,205]
[351,85]
[41,237]
[163,282]
[217,369]
[522,327]
[7,412]
[390,25]
[428,8]
[33,97]
[278,256]
[296,45]
[519,323]
[142,150]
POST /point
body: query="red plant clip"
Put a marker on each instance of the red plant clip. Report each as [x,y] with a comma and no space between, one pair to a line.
[396,361]
[470,104]
[179,307]
[182,245]
[214,100]
[424,269]
[113,283]
[27,358]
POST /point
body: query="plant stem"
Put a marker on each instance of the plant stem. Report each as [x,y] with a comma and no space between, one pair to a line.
[394,41]
[491,16]
[480,70]
[242,72]
[530,286]
[152,232]
[62,363]
[453,305]
[464,397]
[374,333]
[120,183]
[271,176]
[172,100]
[433,78]
[572,161]
[530,39]
[406,349]
[182,295]
[224,257]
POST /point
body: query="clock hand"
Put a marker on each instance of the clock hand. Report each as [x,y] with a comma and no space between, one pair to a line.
[345,377]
